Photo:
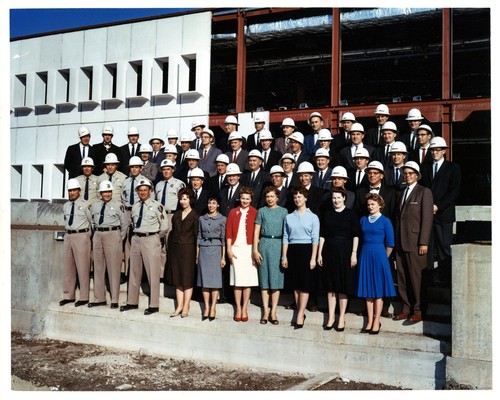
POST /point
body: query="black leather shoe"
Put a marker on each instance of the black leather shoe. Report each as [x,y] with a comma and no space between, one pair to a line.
[151,310]
[328,328]
[123,278]
[81,303]
[101,303]
[114,305]
[66,301]
[129,307]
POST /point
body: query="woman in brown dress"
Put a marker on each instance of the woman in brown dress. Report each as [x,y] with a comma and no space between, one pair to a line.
[181,253]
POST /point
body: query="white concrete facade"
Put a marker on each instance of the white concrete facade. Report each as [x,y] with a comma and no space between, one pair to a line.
[154,75]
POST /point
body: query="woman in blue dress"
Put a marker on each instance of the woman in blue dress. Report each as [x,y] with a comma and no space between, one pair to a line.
[375,278]
[267,252]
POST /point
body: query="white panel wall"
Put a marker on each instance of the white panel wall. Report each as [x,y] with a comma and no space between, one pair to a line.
[72,48]
[50,52]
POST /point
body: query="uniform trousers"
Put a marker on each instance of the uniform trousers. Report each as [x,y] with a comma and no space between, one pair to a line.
[107,256]
[76,265]
[144,249]
[126,245]
[409,270]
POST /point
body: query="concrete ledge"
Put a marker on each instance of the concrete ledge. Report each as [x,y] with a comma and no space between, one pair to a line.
[474,373]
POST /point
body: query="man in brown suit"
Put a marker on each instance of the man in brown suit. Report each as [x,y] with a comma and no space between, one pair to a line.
[413,230]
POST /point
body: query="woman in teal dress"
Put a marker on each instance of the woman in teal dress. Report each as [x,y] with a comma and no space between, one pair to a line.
[267,252]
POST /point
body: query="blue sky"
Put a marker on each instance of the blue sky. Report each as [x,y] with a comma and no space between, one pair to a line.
[34,21]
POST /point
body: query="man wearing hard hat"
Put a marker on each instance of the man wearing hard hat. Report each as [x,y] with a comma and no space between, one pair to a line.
[111,173]
[414,119]
[77,152]
[130,149]
[102,149]
[374,135]
[88,181]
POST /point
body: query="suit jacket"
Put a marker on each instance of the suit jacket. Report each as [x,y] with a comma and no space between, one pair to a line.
[309,146]
[346,156]
[213,184]
[251,143]
[159,157]
[125,157]
[414,219]
[387,193]
[380,155]
[303,156]
[73,160]
[262,180]
[272,160]
[340,141]
[150,171]
[226,204]
[390,179]
[281,146]
[315,200]
[100,152]
[193,144]
[445,188]
[414,155]
[374,138]
[201,203]
[241,159]
[351,182]
[208,165]
[405,138]
[326,182]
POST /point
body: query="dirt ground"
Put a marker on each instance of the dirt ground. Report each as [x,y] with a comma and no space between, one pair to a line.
[63,366]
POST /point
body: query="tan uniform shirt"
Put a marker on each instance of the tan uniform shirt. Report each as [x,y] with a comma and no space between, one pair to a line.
[117,180]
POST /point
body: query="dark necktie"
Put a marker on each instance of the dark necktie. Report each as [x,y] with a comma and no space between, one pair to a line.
[139,219]
[164,194]
[413,141]
[396,174]
[83,152]
[423,156]
[386,157]
[71,214]
[405,197]
[252,178]
[435,169]
[197,144]
[230,194]
[132,151]
[132,192]
[286,181]
[86,193]
[234,157]
[110,177]
[196,193]
[221,181]
[101,215]
[358,181]
[265,159]
[320,178]
[204,154]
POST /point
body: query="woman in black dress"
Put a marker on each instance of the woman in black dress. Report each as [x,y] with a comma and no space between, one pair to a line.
[337,258]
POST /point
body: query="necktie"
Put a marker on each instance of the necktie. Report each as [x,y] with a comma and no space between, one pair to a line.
[435,169]
[139,219]
[221,181]
[387,152]
[164,194]
[423,156]
[380,136]
[234,157]
[358,181]
[196,193]
[286,181]
[101,215]
[396,174]
[154,156]
[71,214]
[204,154]
[320,178]
[110,177]
[374,189]
[86,193]
[287,142]
[295,157]
[404,197]
[132,192]
[265,159]
[230,194]
[83,152]
[253,178]
[413,140]
[257,139]
[197,144]
[132,150]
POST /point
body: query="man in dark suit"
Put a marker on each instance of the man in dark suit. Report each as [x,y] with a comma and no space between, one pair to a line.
[256,178]
[393,176]
[342,138]
[322,177]
[253,140]
[414,119]
[158,155]
[102,149]
[197,128]
[383,152]
[310,141]
[219,181]
[414,218]
[357,177]
[77,152]
[237,154]
[196,179]
[208,152]
[277,178]
[443,178]
[230,195]
[270,156]
[374,135]
[192,162]
[421,154]
[296,140]
[130,149]
[357,134]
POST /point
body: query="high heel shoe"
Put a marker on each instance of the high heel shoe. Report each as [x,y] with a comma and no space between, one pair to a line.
[365,330]
[329,327]
[211,317]
[204,317]
[300,326]
[337,329]
[372,332]
[175,314]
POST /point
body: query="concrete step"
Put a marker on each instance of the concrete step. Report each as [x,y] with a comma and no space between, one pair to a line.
[411,357]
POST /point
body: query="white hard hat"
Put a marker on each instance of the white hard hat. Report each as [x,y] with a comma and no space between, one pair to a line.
[134,161]
[339,172]
[398,147]
[255,153]
[426,128]
[324,134]
[321,152]
[108,130]
[348,116]
[196,173]
[156,137]
[186,137]
[223,158]
[167,163]
[438,142]
[208,131]
[314,114]
[87,162]
[234,136]
[288,122]
[287,156]
[83,131]
[170,148]
[143,182]
[382,109]
[145,148]
[231,119]
[265,135]
[276,169]
[305,166]
[361,153]
[389,125]
[172,133]
[132,131]
[414,115]
[105,186]
[233,169]
[375,165]
[297,136]
[111,159]
[258,118]
[192,154]
[357,127]
[73,184]
[414,166]
[196,124]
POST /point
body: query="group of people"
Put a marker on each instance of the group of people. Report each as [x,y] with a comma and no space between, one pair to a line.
[308,213]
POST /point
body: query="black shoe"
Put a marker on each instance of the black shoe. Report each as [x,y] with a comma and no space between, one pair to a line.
[63,302]
[336,327]
[372,332]
[81,303]
[114,305]
[204,317]
[129,307]
[151,310]
[328,328]
[300,326]
[101,303]
[123,278]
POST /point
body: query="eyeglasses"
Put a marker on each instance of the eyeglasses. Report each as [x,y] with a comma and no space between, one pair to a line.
[409,173]
[287,162]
